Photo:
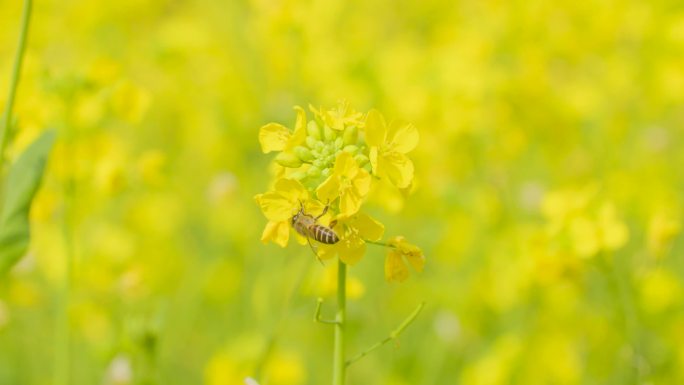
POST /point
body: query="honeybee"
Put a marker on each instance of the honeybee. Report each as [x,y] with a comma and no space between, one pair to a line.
[307,225]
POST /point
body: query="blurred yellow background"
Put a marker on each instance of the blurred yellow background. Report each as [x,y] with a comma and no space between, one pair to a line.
[548,193]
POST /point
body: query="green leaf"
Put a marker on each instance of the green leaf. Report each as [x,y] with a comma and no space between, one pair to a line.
[21,185]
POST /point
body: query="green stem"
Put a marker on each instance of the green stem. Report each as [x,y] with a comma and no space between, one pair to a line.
[339,364]
[14,81]
[393,335]
[379,243]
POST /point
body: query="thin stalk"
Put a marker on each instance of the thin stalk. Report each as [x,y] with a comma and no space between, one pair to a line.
[339,365]
[392,336]
[14,80]
[378,243]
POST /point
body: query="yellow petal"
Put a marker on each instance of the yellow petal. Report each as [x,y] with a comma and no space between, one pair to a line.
[416,259]
[376,129]
[412,253]
[326,252]
[273,137]
[398,168]
[351,250]
[403,137]
[350,203]
[345,165]
[373,157]
[275,206]
[278,232]
[300,239]
[329,190]
[292,190]
[299,134]
[395,268]
[362,182]
[368,227]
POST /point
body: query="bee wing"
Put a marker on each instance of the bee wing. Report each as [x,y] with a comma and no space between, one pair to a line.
[300,238]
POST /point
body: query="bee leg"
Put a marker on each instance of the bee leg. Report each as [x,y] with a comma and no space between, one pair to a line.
[325,210]
[314,251]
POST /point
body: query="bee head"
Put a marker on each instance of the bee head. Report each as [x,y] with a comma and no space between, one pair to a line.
[299,213]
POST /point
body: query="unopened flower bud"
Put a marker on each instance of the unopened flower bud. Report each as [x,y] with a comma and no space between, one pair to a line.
[311,142]
[298,175]
[352,149]
[361,160]
[288,159]
[313,130]
[303,153]
[338,143]
[326,172]
[351,135]
[328,133]
[313,172]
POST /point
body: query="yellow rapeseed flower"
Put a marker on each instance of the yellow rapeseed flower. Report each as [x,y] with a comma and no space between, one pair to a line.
[399,253]
[353,231]
[388,148]
[276,137]
[279,206]
[349,182]
[340,117]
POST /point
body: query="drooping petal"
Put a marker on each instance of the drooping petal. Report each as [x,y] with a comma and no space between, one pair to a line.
[278,232]
[398,168]
[275,206]
[376,129]
[403,137]
[329,190]
[273,137]
[299,134]
[368,227]
[395,268]
[416,259]
[351,250]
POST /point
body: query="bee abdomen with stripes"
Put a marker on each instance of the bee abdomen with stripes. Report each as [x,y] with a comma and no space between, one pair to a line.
[324,234]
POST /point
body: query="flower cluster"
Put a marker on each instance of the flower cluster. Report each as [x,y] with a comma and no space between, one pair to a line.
[326,168]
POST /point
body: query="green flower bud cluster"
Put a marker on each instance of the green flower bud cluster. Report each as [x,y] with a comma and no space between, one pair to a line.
[319,151]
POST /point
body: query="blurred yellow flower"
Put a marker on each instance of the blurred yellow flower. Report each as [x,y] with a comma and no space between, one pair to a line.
[353,232]
[388,148]
[279,206]
[662,229]
[130,101]
[399,253]
[340,117]
[285,368]
[325,285]
[660,289]
[605,233]
[223,369]
[349,182]
[276,137]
